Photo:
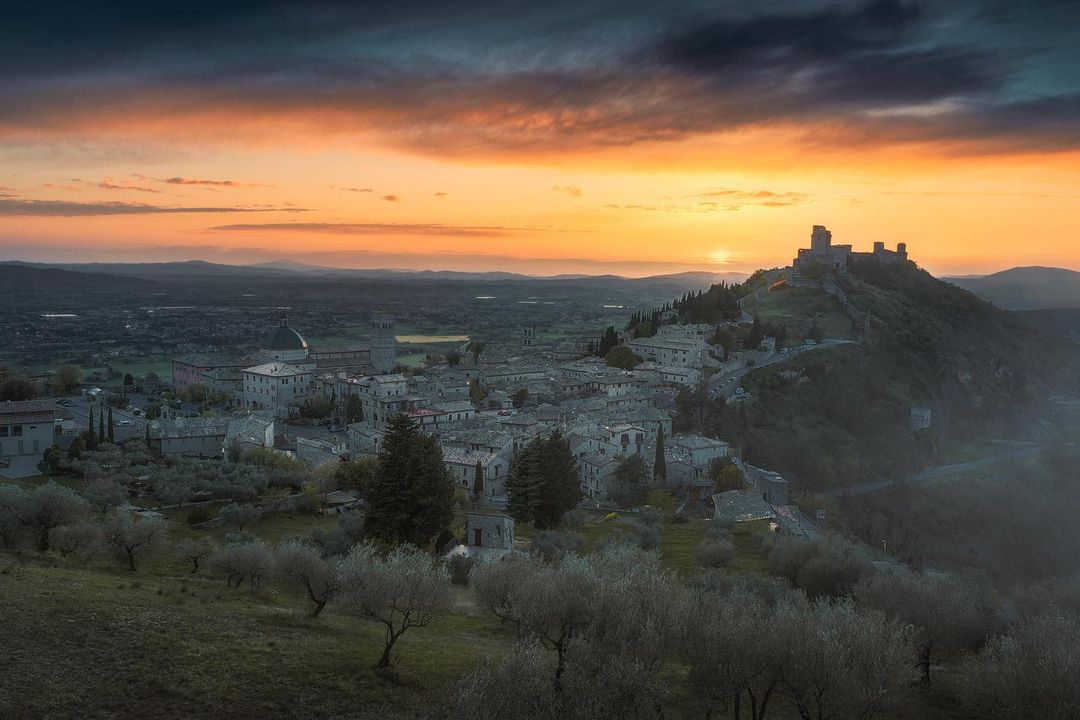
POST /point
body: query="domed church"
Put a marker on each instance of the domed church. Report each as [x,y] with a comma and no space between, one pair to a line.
[285,344]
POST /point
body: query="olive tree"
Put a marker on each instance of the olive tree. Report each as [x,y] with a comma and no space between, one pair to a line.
[103,494]
[81,540]
[300,568]
[134,537]
[248,561]
[1030,672]
[844,663]
[733,642]
[240,516]
[49,506]
[195,550]
[949,614]
[13,510]
[618,600]
[404,590]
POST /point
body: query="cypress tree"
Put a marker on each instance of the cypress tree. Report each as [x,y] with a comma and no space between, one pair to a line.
[112,427]
[478,482]
[561,491]
[524,484]
[659,468]
[411,499]
[91,438]
[101,425]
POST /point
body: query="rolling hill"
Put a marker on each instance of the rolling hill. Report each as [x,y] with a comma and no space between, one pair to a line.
[1026,288]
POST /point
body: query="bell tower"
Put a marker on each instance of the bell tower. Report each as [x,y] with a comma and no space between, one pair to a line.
[383,343]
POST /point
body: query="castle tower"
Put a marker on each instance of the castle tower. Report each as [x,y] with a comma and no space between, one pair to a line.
[820,240]
[383,342]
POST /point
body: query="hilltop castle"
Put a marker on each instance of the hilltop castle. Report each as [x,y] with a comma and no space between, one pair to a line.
[834,257]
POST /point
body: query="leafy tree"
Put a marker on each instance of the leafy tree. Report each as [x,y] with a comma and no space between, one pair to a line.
[14,504]
[67,378]
[453,358]
[1030,672]
[476,393]
[844,664]
[49,506]
[402,591]
[129,379]
[519,398]
[411,499]
[949,614]
[356,474]
[75,449]
[554,544]
[354,409]
[544,482]
[621,356]
[477,349]
[715,552]
[17,388]
[103,494]
[629,482]
[134,538]
[300,568]
[725,339]
[240,516]
[195,550]
[662,500]
[725,474]
[316,408]
[243,560]
[81,540]
[815,333]
[50,460]
[755,335]
[733,642]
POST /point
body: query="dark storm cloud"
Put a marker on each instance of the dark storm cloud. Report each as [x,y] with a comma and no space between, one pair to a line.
[514,76]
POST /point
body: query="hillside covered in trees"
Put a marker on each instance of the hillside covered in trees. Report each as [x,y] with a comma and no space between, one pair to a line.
[840,416]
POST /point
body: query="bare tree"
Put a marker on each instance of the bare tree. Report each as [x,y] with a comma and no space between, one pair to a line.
[195,550]
[404,590]
[134,537]
[949,614]
[301,568]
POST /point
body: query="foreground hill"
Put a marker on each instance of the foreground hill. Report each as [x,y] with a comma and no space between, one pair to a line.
[838,417]
[1027,288]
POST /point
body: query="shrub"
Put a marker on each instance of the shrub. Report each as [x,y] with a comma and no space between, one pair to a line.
[715,553]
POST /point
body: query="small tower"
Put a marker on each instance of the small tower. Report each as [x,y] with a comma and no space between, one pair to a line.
[820,240]
[528,337]
[383,343]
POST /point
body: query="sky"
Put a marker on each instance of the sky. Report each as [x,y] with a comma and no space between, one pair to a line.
[591,136]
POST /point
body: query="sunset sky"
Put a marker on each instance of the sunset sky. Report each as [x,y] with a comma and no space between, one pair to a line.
[588,136]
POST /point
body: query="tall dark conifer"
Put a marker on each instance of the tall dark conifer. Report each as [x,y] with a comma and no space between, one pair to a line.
[659,469]
[91,436]
[478,482]
[101,425]
[111,427]
[411,499]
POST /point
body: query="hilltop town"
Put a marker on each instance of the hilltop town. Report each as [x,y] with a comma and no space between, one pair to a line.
[613,395]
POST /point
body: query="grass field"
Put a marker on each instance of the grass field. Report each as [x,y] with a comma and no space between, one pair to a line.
[801,304]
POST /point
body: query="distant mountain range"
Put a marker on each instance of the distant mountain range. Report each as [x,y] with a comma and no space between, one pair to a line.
[1026,288]
[285,268]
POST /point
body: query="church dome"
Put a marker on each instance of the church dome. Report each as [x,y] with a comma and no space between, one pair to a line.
[285,338]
